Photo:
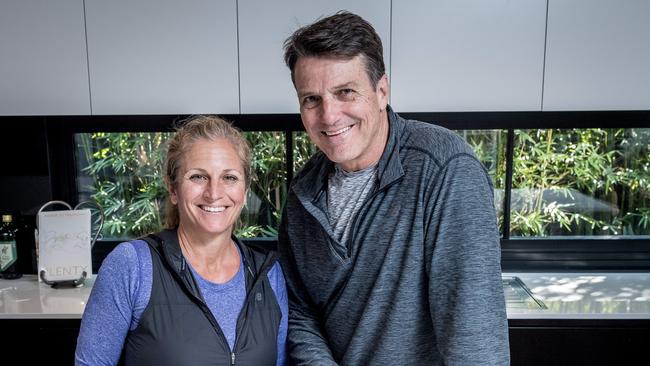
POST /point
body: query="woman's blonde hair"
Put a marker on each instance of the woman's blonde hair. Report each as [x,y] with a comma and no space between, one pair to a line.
[190,131]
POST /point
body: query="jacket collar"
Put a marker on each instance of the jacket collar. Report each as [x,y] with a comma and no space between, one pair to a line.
[170,250]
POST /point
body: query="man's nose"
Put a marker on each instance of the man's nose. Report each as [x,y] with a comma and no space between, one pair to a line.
[330,110]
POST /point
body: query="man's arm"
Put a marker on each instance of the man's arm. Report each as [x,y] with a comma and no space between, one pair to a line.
[466,296]
[305,341]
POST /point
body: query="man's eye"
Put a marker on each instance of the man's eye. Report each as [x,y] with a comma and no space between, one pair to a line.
[346,93]
[310,101]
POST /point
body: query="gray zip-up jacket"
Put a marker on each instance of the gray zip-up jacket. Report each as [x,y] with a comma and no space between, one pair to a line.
[419,281]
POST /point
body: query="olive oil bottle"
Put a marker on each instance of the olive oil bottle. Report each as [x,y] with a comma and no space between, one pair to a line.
[8,251]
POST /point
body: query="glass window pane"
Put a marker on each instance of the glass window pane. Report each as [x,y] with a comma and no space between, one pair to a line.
[261,216]
[303,149]
[490,148]
[581,182]
[123,172]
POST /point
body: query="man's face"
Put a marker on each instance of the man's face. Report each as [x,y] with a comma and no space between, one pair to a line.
[344,115]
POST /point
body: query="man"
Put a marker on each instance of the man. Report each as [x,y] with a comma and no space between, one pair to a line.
[389,240]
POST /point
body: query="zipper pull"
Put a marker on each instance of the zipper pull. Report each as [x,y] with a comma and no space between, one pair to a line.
[232,358]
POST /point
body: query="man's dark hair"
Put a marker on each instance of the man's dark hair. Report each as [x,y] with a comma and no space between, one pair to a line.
[342,35]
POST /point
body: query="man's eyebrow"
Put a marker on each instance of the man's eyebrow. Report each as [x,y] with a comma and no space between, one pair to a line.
[349,84]
[346,85]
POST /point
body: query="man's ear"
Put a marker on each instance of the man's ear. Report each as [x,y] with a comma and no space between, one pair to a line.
[383,92]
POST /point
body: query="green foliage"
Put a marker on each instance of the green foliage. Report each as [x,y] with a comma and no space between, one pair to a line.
[126,176]
[554,170]
[581,182]
[125,172]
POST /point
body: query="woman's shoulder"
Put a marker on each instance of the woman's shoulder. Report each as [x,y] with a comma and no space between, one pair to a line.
[129,253]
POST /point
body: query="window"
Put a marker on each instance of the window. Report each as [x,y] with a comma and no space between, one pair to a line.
[581,182]
[572,189]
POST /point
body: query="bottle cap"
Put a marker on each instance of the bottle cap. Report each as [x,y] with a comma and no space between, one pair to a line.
[7,218]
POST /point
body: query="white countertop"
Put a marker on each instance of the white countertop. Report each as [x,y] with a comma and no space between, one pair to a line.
[565,295]
[606,295]
[26,298]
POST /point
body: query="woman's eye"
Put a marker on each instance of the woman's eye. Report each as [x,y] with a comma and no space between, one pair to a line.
[231,178]
[198,177]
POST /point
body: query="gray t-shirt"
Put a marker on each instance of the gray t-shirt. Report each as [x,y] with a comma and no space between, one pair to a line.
[346,192]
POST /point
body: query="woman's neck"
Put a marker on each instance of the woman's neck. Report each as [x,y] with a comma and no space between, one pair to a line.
[216,260]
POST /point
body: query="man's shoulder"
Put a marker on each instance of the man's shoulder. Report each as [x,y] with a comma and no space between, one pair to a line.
[436,142]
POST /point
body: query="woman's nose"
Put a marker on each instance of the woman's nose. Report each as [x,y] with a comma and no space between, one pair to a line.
[213,190]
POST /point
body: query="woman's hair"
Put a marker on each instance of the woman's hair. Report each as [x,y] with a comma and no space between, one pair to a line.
[190,131]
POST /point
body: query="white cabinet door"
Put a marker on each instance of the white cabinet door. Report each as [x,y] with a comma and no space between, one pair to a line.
[162,56]
[597,55]
[264,25]
[467,55]
[43,67]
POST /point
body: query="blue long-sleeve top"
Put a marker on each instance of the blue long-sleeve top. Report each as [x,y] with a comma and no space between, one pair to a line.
[121,293]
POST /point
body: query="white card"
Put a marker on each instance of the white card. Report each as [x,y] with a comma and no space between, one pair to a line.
[64,244]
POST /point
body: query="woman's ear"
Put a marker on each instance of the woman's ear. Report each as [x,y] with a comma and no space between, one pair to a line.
[173,197]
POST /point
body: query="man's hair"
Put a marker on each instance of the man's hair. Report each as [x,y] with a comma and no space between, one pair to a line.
[343,35]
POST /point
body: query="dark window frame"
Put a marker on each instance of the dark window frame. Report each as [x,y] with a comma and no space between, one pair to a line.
[519,254]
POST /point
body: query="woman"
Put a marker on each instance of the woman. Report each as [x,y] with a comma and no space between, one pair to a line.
[192,294]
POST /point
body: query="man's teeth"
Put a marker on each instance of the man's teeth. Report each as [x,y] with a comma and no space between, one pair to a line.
[213,209]
[344,129]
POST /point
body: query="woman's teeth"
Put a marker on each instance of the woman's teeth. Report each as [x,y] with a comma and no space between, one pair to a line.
[213,209]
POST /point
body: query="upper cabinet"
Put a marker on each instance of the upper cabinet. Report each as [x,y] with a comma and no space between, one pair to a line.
[467,55]
[43,69]
[266,85]
[597,55]
[162,56]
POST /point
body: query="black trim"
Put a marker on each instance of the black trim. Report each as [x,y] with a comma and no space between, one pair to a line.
[510,148]
[537,254]
[534,120]
[288,147]
[621,323]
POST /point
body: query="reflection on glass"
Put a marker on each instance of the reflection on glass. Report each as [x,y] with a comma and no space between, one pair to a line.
[490,148]
[583,182]
[123,172]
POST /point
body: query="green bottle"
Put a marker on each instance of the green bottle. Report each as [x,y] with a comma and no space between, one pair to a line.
[8,251]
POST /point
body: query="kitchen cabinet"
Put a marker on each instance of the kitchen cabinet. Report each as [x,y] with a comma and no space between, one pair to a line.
[468,55]
[162,56]
[597,55]
[266,85]
[43,66]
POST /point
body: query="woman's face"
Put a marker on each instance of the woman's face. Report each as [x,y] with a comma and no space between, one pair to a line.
[211,188]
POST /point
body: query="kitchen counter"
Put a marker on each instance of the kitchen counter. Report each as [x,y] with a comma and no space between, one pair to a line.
[610,295]
[607,295]
[26,298]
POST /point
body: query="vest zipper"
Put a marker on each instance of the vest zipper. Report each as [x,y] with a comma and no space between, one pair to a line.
[255,280]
